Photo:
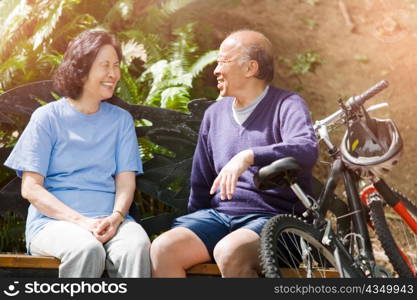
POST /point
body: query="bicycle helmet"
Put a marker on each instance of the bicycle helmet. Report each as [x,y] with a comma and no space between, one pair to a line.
[371,147]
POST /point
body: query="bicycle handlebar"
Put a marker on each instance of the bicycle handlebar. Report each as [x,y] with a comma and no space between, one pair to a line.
[359,100]
[353,102]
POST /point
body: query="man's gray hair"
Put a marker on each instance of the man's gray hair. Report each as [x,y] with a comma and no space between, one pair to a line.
[259,52]
[265,61]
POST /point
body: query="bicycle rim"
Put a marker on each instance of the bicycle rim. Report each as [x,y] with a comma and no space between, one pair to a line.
[292,248]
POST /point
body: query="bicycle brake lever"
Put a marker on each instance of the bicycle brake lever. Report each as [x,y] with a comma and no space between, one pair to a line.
[377,106]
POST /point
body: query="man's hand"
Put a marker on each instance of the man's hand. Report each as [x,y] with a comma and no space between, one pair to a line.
[230,173]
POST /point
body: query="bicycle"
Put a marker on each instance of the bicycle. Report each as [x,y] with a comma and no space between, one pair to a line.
[311,247]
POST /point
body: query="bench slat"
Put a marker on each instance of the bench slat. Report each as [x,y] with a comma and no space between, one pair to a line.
[301,273]
[25,261]
[204,269]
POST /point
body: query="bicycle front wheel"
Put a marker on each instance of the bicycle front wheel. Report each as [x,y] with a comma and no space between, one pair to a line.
[290,247]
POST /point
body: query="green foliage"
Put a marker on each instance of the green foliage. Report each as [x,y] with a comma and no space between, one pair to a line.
[164,61]
[8,140]
[362,58]
[128,89]
[306,62]
[311,24]
[303,63]
[11,233]
[169,79]
[28,31]
[35,36]
[148,149]
[312,2]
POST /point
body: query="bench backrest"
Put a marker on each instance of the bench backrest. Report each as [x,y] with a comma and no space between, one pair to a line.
[166,177]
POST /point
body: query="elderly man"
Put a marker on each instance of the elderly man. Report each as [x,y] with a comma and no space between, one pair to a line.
[252,125]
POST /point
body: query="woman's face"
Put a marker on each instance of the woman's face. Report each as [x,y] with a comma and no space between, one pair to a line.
[103,76]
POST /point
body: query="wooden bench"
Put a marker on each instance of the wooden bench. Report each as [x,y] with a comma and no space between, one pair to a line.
[11,264]
[166,177]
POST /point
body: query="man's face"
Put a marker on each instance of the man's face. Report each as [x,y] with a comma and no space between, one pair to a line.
[229,72]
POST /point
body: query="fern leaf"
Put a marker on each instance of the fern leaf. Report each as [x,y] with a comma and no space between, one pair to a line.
[175,98]
[183,47]
[207,59]
[132,50]
[6,9]
[184,80]
[10,67]
[76,23]
[121,10]
[50,20]
[171,6]
[151,43]
[12,30]
[127,88]
[156,14]
[157,71]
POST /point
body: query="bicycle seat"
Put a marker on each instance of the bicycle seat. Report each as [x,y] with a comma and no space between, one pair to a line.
[281,173]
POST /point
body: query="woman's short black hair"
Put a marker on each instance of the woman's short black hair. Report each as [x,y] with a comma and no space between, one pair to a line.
[78,58]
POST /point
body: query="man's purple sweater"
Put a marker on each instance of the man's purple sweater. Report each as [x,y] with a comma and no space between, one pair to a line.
[280,126]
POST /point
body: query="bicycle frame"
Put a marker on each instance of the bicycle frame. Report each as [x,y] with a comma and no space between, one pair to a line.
[356,211]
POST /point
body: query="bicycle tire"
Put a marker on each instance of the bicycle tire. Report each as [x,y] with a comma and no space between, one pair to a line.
[283,230]
[396,247]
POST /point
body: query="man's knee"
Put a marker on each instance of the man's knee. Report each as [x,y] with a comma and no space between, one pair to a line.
[225,253]
[178,244]
[235,254]
[163,246]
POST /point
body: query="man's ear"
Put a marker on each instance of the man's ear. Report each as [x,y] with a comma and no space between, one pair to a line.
[252,68]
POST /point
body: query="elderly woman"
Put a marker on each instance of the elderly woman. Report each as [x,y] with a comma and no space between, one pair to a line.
[78,158]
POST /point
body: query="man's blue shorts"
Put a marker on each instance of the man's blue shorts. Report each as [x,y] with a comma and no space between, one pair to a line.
[211,226]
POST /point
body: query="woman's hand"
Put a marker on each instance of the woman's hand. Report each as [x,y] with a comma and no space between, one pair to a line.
[103,229]
[34,191]
[89,224]
[106,228]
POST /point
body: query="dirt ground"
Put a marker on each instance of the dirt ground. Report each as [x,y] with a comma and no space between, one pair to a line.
[377,40]
[359,42]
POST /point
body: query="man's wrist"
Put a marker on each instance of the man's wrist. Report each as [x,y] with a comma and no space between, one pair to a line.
[248,156]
